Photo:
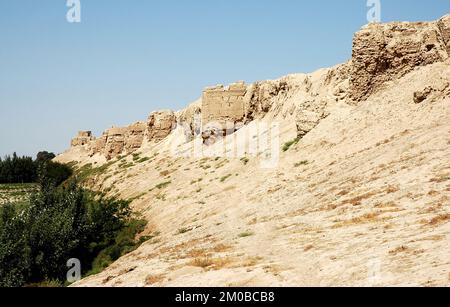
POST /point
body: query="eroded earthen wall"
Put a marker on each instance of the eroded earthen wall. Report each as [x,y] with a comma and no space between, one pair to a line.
[160,125]
[383,52]
[224,105]
[134,137]
[83,138]
[115,142]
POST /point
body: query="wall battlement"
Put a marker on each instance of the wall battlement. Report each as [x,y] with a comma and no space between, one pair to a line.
[82,138]
[224,104]
[126,140]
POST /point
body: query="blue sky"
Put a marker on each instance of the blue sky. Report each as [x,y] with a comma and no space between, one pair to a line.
[130,57]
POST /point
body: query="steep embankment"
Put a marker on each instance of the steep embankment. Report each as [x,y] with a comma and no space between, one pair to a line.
[362,199]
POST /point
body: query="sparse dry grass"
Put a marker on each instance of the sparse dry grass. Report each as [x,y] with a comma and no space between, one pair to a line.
[390,204]
[357,201]
[330,207]
[308,248]
[364,219]
[154,279]
[221,248]
[211,263]
[249,262]
[201,262]
[273,269]
[197,253]
[253,221]
[343,193]
[440,179]
[179,247]
[386,141]
[392,189]
[398,250]
[274,189]
[164,173]
[433,193]
[441,219]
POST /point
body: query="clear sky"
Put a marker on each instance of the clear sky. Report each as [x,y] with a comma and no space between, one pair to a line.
[130,57]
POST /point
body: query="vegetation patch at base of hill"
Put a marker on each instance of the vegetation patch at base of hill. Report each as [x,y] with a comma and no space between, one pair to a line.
[61,222]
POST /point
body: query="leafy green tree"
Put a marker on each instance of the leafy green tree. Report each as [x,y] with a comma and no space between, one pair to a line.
[17,169]
[14,250]
[45,156]
[60,223]
[56,172]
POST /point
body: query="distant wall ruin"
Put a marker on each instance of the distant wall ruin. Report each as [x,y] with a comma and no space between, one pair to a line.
[444,27]
[160,125]
[125,140]
[381,53]
[115,142]
[82,138]
[384,52]
[223,110]
[134,136]
[224,104]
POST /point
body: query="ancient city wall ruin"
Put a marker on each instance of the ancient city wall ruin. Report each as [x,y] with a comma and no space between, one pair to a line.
[126,140]
[160,125]
[383,52]
[224,104]
[83,138]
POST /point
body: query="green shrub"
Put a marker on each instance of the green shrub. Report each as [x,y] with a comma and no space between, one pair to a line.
[246,234]
[142,160]
[58,224]
[163,185]
[224,178]
[305,162]
[14,169]
[124,243]
[183,230]
[289,144]
[15,254]
[136,157]
[245,160]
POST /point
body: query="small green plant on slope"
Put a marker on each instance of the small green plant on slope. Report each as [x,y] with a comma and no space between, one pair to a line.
[289,144]
[163,185]
[224,178]
[245,234]
[245,160]
[305,162]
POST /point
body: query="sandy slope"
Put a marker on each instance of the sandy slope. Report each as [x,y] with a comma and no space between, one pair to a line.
[363,199]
